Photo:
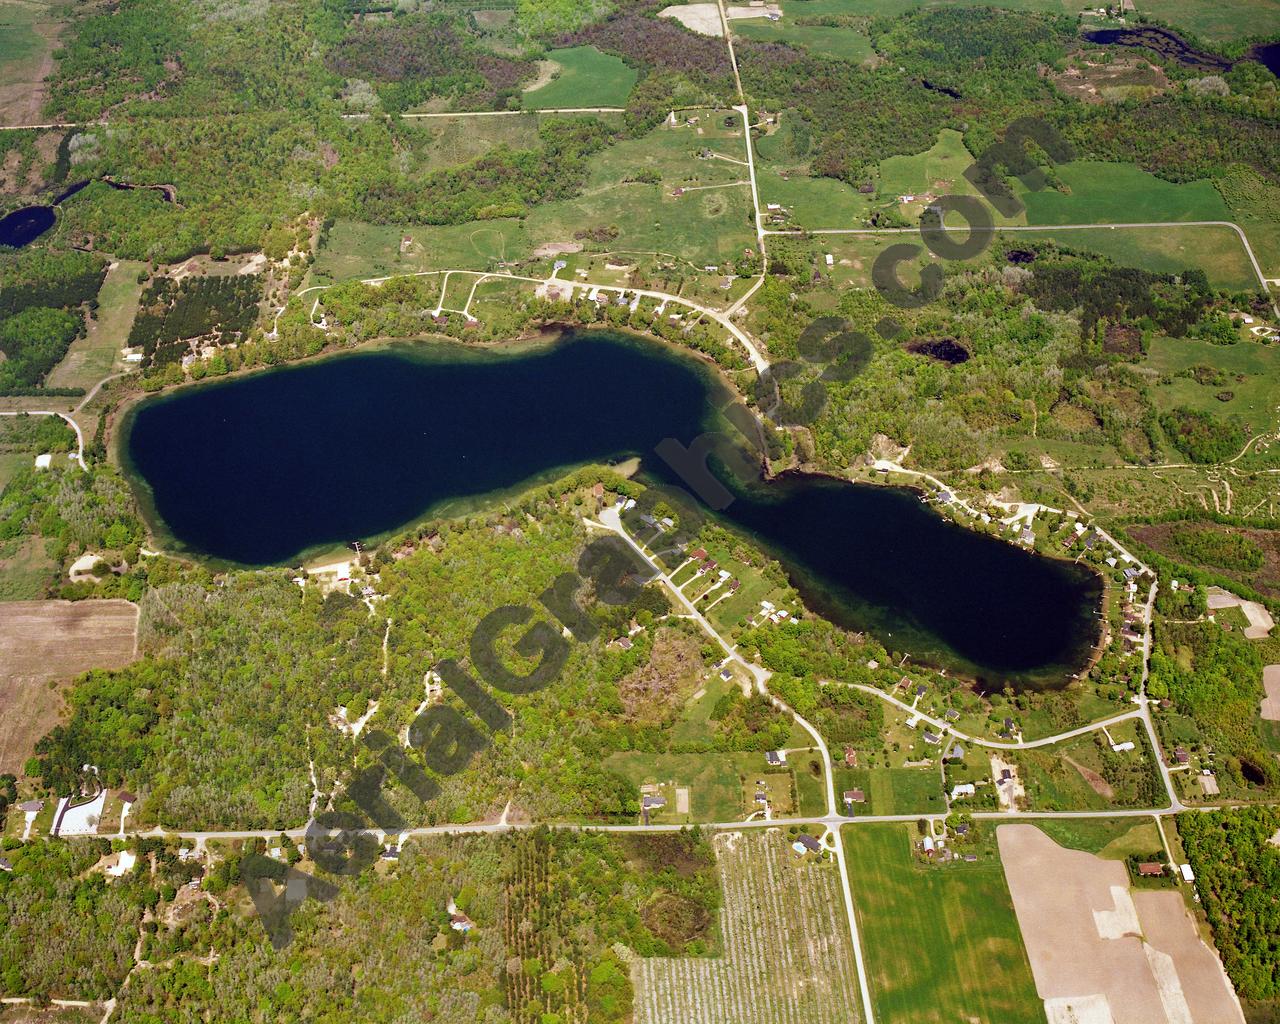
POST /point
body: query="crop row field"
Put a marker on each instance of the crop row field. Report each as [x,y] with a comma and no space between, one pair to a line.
[788,957]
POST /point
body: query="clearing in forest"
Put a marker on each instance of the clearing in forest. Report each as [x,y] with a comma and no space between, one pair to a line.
[787,957]
[28,36]
[43,643]
[1100,952]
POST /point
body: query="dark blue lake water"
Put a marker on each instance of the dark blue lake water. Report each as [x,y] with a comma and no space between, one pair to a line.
[265,468]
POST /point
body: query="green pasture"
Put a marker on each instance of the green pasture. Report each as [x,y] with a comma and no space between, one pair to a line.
[844,43]
[813,203]
[717,781]
[588,78]
[1216,250]
[19,41]
[1106,193]
[942,941]
[1253,370]
[905,790]
[444,142]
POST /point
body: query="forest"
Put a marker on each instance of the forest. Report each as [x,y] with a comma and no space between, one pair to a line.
[172,313]
[1237,872]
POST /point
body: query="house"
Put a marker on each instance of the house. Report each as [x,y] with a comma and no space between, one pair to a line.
[652,803]
[962,789]
[44,461]
[933,738]
[624,642]
[1181,756]
[962,829]
[1150,869]
[698,554]
[761,797]
[952,715]
[927,846]
[956,753]
[461,923]
[970,858]
[809,844]
[1187,874]
[850,757]
[1027,537]
[775,758]
[5,865]
[31,806]
[126,798]
[1006,775]
[392,852]
[831,260]
[1120,748]
[854,796]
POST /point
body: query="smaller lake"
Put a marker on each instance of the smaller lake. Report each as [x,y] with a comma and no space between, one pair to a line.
[266,468]
[24,226]
[1169,44]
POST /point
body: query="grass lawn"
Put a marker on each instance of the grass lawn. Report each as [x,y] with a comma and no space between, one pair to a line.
[1217,250]
[1252,370]
[849,43]
[811,789]
[588,78]
[1218,22]
[97,354]
[720,784]
[443,142]
[10,463]
[1121,193]
[905,790]
[942,942]
[814,203]
[1110,838]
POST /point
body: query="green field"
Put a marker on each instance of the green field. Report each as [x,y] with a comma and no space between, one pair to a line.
[1108,193]
[96,355]
[905,791]
[1218,22]
[873,8]
[588,78]
[942,942]
[717,782]
[1110,838]
[1253,370]
[28,31]
[849,43]
[1216,250]
[25,568]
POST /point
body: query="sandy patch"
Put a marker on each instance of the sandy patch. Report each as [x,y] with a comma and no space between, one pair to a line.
[682,799]
[1260,621]
[44,643]
[1011,793]
[1102,954]
[546,73]
[1271,702]
[705,18]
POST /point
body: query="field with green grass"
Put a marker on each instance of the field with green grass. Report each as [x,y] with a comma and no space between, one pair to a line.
[1108,193]
[587,78]
[28,33]
[1250,371]
[1110,838]
[1216,250]
[1218,22]
[97,354]
[843,43]
[905,791]
[720,785]
[25,567]
[942,941]
[874,8]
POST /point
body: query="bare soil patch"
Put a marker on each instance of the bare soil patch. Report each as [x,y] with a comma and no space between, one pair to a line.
[1096,782]
[1271,702]
[1100,953]
[1112,82]
[44,644]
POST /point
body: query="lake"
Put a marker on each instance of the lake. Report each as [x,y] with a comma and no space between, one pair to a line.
[267,468]
[25,225]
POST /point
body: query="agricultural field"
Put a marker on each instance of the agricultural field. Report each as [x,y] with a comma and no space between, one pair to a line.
[586,78]
[1108,838]
[44,643]
[941,940]
[1104,193]
[29,34]
[1097,947]
[97,354]
[787,954]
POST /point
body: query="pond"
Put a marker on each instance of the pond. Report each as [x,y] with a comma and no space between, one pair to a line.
[23,226]
[267,468]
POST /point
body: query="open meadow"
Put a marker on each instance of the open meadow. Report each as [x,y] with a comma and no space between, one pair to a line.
[942,942]
[787,951]
[97,354]
[44,643]
[29,33]
[585,77]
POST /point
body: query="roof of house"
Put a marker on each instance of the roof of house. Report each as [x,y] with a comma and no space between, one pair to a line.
[126,797]
[1150,868]
[855,796]
[809,843]
[31,806]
